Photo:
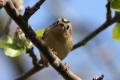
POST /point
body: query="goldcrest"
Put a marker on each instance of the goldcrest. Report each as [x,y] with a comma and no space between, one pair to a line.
[58,37]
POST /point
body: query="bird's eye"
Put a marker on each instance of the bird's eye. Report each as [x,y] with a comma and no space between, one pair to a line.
[57,22]
[67,27]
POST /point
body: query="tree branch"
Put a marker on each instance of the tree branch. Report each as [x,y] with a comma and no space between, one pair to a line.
[94,33]
[30,11]
[107,23]
[6,29]
[39,43]
[33,56]
[26,75]
[37,66]
[109,12]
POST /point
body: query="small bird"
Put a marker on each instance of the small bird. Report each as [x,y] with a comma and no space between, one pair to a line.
[58,37]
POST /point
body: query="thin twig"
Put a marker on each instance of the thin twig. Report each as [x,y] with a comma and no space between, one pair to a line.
[32,71]
[33,56]
[37,66]
[107,23]
[94,33]
[6,29]
[30,11]
[109,12]
[40,44]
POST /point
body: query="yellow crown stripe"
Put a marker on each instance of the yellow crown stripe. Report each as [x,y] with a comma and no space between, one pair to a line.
[65,20]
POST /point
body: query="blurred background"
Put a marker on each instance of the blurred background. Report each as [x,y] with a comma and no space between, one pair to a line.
[101,55]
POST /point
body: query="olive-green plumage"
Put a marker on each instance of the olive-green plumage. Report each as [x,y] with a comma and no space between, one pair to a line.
[58,37]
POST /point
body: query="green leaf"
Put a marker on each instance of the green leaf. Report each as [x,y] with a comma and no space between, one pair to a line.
[40,33]
[14,47]
[21,41]
[12,50]
[5,43]
[9,39]
[115,5]
[116,32]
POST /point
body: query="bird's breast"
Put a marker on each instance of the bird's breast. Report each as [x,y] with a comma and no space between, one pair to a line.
[61,47]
